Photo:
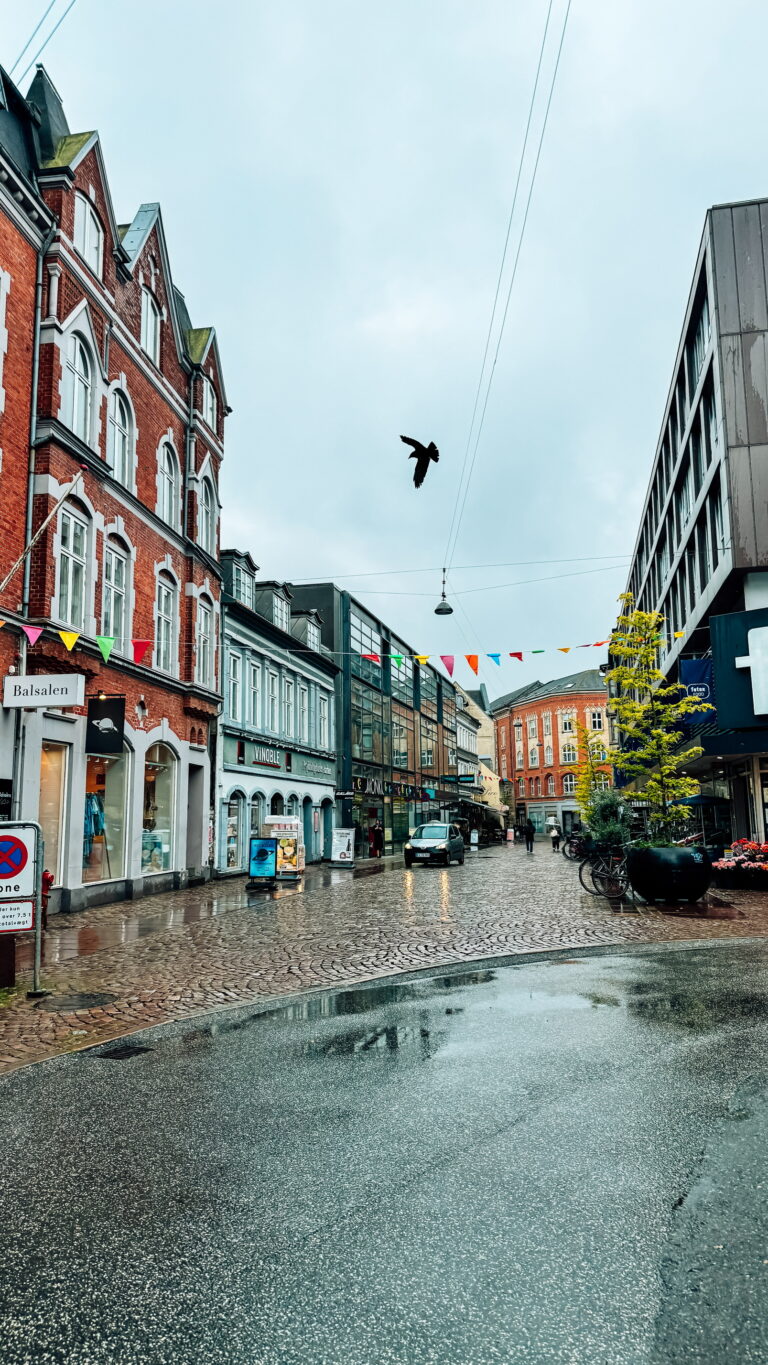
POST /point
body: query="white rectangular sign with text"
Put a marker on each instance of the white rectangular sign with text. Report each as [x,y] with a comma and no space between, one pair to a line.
[44,689]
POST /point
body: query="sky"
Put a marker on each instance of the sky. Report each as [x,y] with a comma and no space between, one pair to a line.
[336,179]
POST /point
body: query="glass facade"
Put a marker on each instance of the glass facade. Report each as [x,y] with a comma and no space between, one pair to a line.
[105,817]
[369,724]
[53,785]
[159,809]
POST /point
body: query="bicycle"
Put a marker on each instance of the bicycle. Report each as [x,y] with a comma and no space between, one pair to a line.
[604,873]
[574,848]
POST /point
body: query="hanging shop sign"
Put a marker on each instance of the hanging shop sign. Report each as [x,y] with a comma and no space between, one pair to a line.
[105,727]
[698,679]
[740,656]
[44,689]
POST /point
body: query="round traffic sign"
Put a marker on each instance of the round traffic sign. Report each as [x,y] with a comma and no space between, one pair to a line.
[13,856]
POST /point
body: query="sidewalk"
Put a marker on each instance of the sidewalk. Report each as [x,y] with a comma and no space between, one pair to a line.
[184,953]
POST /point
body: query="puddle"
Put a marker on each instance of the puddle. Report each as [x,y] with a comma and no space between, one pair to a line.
[698,1012]
[366,1042]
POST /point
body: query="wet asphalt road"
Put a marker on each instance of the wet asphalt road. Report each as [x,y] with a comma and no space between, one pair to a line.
[559,1161]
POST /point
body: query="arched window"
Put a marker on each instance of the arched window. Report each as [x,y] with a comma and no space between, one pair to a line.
[550,785]
[204,652]
[208,518]
[548,755]
[521,786]
[569,784]
[89,235]
[159,810]
[533,756]
[166,626]
[73,567]
[210,406]
[530,786]
[277,805]
[292,807]
[602,781]
[115,602]
[235,831]
[150,326]
[169,486]
[569,753]
[120,439]
[538,786]
[80,388]
[257,813]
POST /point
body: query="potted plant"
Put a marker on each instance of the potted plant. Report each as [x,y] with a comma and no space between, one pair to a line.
[650,716]
[745,866]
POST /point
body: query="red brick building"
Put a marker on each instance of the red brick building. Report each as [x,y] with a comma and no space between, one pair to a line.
[537,743]
[130,396]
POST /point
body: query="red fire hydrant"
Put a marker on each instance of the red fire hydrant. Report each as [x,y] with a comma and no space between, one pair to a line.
[48,880]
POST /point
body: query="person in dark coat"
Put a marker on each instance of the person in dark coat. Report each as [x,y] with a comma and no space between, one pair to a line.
[530,830]
[378,839]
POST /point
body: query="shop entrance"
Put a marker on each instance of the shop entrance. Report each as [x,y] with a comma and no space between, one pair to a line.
[53,786]
[196,798]
[104,821]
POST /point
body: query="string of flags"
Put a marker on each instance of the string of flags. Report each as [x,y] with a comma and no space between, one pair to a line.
[69,639]
[473,660]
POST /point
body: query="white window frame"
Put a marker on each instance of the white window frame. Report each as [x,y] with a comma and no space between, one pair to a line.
[208,517]
[234,685]
[151,320]
[204,638]
[210,403]
[281,612]
[567,723]
[81,373]
[120,439]
[273,702]
[570,753]
[596,720]
[303,714]
[290,706]
[114,593]
[313,636]
[548,756]
[569,784]
[547,723]
[533,728]
[323,722]
[168,506]
[533,756]
[70,562]
[166,625]
[255,695]
[89,235]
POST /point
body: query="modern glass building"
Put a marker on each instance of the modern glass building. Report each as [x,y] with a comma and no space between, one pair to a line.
[396,723]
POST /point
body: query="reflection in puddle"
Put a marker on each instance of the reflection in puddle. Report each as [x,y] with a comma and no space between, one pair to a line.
[387,1039]
[697,1011]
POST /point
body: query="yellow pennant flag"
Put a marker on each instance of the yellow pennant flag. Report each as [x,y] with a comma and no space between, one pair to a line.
[421,658]
[564,649]
[69,638]
[679,634]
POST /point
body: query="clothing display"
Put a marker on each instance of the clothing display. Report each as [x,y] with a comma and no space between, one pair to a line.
[94,823]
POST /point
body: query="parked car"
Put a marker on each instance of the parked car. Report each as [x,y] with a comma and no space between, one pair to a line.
[434,843]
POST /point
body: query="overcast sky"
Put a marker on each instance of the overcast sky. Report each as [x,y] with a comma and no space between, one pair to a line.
[336,178]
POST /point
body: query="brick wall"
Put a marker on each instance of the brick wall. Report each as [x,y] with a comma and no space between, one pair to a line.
[581,706]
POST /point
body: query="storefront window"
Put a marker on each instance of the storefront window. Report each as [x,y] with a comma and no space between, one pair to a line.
[104,821]
[277,805]
[234,832]
[159,809]
[53,785]
[370,725]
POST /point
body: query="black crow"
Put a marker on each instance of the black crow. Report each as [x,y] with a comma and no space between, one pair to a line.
[422,455]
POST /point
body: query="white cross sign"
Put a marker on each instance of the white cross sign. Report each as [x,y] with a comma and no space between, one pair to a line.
[757,662]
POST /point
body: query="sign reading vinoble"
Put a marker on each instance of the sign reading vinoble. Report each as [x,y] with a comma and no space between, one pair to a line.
[44,689]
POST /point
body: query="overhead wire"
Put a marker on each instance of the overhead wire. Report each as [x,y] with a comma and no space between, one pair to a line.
[492,587]
[42,48]
[457,527]
[32,36]
[461,568]
[500,276]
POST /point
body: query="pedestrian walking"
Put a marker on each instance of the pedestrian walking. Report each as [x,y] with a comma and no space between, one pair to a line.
[378,839]
[555,835]
[530,830]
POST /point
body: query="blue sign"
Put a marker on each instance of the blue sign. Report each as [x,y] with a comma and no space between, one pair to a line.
[698,679]
[262,859]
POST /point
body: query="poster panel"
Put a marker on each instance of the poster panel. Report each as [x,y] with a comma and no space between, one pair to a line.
[262,857]
[343,846]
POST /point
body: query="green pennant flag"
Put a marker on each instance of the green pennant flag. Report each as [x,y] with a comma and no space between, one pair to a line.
[106,644]
[397,659]
[538,651]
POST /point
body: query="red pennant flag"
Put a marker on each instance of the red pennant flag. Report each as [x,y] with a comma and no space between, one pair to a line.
[372,658]
[472,660]
[448,660]
[599,644]
[32,633]
[140,648]
[516,654]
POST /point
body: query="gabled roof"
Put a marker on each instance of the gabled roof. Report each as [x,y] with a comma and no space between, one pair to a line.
[69,151]
[509,698]
[244,555]
[197,339]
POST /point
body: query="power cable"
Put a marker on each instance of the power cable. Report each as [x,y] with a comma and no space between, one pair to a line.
[492,587]
[40,50]
[32,36]
[501,272]
[459,568]
[452,550]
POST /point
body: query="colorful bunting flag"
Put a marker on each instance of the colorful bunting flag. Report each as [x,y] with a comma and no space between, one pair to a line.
[397,659]
[106,644]
[472,660]
[538,651]
[496,658]
[421,658]
[448,660]
[69,638]
[679,634]
[373,658]
[32,633]
[518,654]
[140,648]
[563,649]
[599,644]
[2,623]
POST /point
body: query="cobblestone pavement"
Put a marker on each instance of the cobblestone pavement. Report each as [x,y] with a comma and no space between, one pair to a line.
[173,956]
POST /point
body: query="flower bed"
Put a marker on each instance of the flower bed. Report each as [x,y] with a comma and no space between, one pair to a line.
[746,867]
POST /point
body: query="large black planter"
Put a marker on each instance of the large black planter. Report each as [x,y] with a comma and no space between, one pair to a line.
[669,874]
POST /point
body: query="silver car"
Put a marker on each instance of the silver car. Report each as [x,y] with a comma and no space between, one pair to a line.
[434,843]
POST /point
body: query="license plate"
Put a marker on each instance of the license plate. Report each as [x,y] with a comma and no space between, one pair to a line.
[422,855]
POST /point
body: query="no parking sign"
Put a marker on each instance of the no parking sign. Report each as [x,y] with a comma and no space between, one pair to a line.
[20,874]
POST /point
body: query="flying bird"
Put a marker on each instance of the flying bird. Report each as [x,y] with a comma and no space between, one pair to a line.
[422,455]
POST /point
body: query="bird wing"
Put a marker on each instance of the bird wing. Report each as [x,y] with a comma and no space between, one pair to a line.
[419,473]
[409,441]
[434,454]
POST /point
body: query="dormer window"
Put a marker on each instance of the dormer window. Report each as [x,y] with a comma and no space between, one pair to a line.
[150,326]
[210,406]
[280,612]
[242,585]
[89,235]
[313,635]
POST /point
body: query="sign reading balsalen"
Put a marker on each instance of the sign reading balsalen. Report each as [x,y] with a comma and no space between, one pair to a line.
[45,689]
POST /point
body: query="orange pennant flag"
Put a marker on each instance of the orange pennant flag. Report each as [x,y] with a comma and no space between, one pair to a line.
[564,649]
[472,660]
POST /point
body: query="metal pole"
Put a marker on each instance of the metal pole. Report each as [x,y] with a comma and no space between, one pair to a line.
[37,990]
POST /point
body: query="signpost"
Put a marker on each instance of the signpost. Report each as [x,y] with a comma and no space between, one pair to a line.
[21,883]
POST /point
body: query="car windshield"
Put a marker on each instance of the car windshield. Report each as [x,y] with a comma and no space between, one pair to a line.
[431,832]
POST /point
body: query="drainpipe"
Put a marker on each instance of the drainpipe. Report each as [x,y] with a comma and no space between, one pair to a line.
[18,733]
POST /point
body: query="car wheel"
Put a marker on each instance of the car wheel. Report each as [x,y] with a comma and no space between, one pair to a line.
[461,860]
[447,860]
[408,862]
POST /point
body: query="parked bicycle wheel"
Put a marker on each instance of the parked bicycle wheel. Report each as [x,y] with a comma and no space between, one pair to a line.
[572,850]
[585,877]
[610,880]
